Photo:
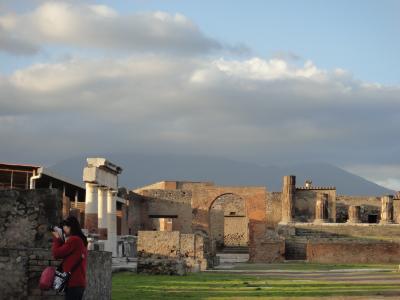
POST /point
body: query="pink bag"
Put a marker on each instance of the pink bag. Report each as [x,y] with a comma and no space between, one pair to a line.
[47,278]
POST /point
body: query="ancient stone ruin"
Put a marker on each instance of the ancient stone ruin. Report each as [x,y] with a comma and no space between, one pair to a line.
[176,227]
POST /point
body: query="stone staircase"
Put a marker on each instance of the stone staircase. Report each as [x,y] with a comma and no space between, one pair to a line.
[309,233]
[234,249]
[296,246]
[232,255]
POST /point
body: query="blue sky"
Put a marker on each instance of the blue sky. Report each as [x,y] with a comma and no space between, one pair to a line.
[362,37]
[320,81]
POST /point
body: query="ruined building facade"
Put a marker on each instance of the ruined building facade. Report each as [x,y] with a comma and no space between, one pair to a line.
[300,222]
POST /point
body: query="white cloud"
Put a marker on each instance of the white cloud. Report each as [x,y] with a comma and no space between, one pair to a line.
[101,27]
[272,109]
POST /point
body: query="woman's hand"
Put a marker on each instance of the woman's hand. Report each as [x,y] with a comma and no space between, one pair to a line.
[55,234]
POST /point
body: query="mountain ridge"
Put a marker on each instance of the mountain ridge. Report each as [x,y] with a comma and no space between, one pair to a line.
[142,169]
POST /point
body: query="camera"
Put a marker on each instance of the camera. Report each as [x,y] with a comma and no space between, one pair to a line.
[59,230]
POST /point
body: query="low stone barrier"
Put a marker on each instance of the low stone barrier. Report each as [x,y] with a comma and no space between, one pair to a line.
[20,270]
[170,252]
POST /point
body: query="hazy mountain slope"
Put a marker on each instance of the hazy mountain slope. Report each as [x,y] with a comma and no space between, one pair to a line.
[142,169]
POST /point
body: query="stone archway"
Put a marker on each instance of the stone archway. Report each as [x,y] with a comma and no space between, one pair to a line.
[228,223]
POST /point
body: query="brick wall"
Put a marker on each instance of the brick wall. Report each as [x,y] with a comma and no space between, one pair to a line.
[353,252]
[372,231]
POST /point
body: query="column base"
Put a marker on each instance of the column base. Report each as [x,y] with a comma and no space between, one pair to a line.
[103,234]
[353,222]
[386,222]
[91,222]
[320,221]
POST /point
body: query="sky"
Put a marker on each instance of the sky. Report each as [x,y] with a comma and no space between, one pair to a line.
[268,82]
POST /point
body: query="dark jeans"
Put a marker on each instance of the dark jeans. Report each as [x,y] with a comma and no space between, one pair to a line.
[74,293]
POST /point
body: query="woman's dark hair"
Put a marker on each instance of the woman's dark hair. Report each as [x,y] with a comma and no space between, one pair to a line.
[73,223]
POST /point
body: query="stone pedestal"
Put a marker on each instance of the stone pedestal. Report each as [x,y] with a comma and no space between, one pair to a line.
[321,208]
[386,210]
[91,222]
[288,194]
[354,214]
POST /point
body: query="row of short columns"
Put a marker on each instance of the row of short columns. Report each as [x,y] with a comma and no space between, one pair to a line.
[322,203]
[100,214]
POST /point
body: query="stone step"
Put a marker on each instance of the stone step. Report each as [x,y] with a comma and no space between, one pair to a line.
[229,258]
[303,232]
[234,250]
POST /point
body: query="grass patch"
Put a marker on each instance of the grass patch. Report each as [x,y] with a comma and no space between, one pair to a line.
[236,286]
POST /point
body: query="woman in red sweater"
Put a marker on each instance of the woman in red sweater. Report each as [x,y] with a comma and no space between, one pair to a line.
[73,252]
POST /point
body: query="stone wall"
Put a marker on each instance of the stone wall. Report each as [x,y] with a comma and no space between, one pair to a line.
[132,212]
[228,221]
[163,252]
[269,251]
[305,200]
[158,244]
[20,270]
[168,203]
[351,251]
[255,204]
[25,242]
[274,209]
[369,206]
[25,216]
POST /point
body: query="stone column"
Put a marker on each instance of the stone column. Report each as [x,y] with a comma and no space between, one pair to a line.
[321,208]
[288,194]
[111,244]
[102,213]
[386,209]
[354,214]
[91,208]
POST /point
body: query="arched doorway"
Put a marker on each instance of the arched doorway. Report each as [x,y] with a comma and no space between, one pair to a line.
[229,222]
